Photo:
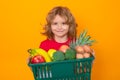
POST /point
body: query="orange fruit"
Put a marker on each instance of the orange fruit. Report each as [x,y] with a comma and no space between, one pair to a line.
[63,48]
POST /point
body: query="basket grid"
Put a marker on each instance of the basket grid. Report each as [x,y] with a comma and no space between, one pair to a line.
[63,70]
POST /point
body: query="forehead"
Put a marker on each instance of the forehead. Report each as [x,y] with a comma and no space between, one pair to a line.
[59,18]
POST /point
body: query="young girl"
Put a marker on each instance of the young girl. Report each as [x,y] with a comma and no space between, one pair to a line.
[60,28]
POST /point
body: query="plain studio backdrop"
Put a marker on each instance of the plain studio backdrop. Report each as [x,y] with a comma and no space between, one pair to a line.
[21,23]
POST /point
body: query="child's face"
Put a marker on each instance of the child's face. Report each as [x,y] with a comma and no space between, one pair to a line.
[59,26]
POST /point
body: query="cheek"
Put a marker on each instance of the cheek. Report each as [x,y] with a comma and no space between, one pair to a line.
[53,28]
[66,28]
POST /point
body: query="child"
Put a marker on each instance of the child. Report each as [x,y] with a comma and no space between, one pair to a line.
[60,28]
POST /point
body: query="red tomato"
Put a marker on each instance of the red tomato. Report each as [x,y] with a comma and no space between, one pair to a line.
[37,59]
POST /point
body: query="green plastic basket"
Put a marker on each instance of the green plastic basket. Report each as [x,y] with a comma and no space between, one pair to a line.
[77,69]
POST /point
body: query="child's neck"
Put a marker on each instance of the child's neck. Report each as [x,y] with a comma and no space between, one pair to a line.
[61,39]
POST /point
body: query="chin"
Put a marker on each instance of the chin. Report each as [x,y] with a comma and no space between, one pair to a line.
[60,35]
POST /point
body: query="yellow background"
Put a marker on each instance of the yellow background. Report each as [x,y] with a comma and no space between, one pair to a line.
[20,26]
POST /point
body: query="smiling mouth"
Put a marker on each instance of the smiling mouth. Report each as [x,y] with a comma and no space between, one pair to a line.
[59,31]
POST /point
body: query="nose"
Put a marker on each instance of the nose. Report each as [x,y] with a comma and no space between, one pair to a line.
[59,26]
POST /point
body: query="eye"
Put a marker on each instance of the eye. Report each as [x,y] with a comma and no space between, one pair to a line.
[55,23]
[64,23]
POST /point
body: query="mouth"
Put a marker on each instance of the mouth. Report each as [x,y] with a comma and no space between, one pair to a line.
[59,31]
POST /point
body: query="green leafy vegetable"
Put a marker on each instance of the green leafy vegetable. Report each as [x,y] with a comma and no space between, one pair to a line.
[70,54]
[58,56]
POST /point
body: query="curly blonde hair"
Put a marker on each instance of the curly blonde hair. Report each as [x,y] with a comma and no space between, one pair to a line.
[65,13]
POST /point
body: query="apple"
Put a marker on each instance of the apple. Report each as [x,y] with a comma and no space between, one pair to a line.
[37,59]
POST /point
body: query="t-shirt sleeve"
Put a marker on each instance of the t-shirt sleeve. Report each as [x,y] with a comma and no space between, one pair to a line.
[43,45]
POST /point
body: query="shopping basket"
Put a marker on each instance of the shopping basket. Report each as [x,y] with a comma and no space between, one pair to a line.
[77,69]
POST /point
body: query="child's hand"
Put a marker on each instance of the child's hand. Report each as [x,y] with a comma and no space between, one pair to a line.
[28,61]
[93,53]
